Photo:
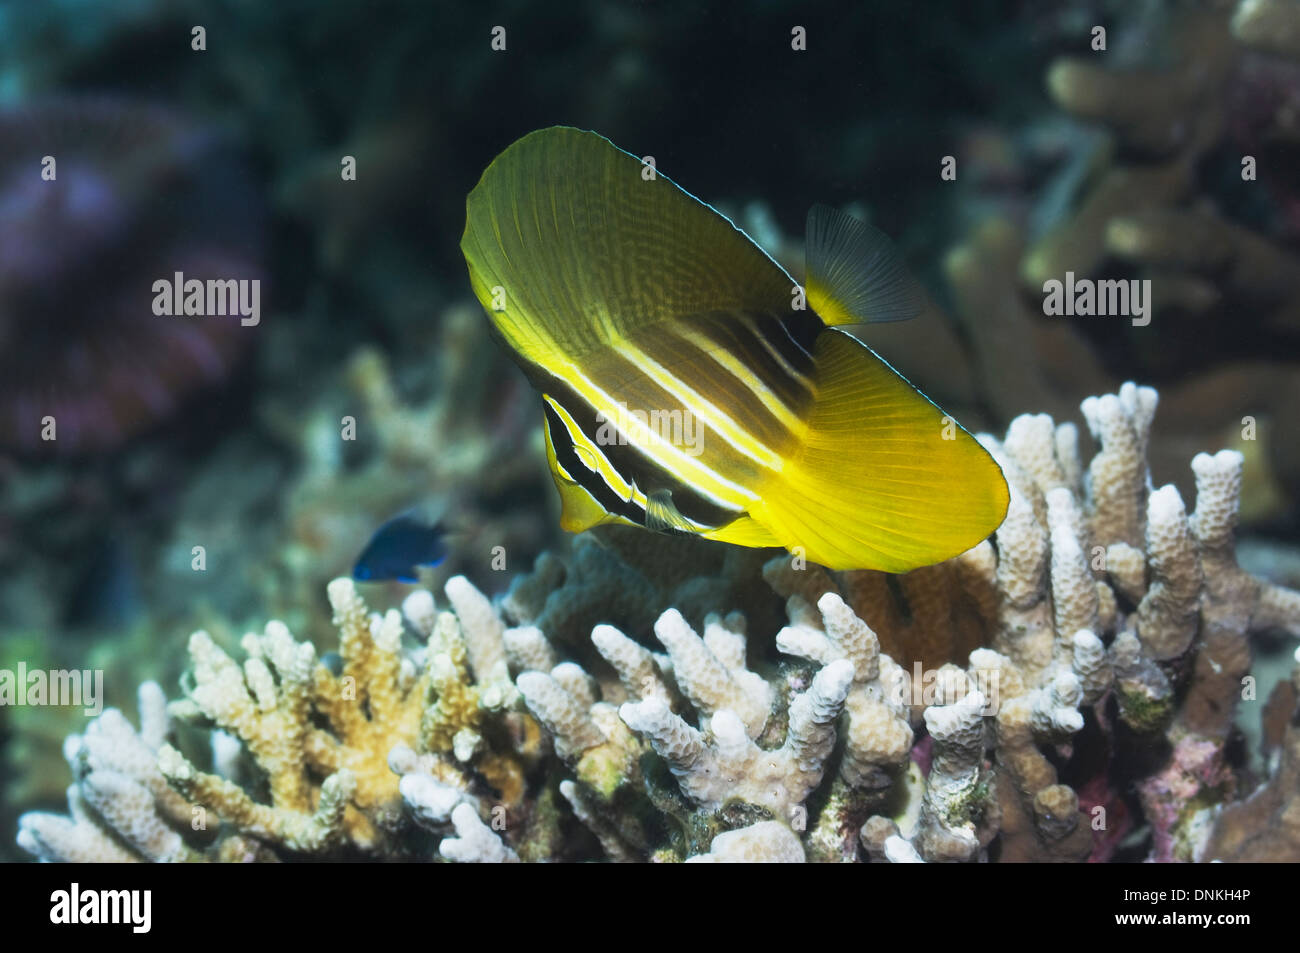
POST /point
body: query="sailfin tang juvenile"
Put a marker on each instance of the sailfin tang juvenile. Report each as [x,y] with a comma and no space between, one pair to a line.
[684,389]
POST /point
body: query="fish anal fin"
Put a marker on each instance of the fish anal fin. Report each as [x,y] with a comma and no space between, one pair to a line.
[743,531]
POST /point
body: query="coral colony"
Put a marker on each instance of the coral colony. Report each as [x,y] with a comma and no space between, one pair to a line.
[1103,615]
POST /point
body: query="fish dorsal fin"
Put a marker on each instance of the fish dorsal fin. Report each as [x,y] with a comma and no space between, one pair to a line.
[571,242]
[855,275]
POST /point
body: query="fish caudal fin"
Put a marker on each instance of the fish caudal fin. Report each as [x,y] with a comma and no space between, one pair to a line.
[883,479]
[854,273]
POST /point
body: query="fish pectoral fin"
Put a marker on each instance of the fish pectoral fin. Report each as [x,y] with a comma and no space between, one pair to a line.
[662,515]
[883,478]
[854,274]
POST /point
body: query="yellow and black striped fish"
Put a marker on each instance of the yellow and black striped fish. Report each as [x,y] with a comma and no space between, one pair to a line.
[691,385]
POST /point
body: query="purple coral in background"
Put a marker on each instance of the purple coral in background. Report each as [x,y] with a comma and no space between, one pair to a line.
[1264,121]
[135,194]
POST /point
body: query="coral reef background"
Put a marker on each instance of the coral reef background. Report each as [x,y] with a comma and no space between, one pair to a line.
[1073,708]
[1122,163]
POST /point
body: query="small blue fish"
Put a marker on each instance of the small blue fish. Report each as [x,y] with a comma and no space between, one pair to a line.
[398,547]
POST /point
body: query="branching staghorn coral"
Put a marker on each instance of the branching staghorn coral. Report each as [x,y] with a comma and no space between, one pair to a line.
[1265,827]
[353,761]
[766,842]
[269,703]
[1066,688]
[1088,555]
[625,577]
[120,805]
[717,766]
